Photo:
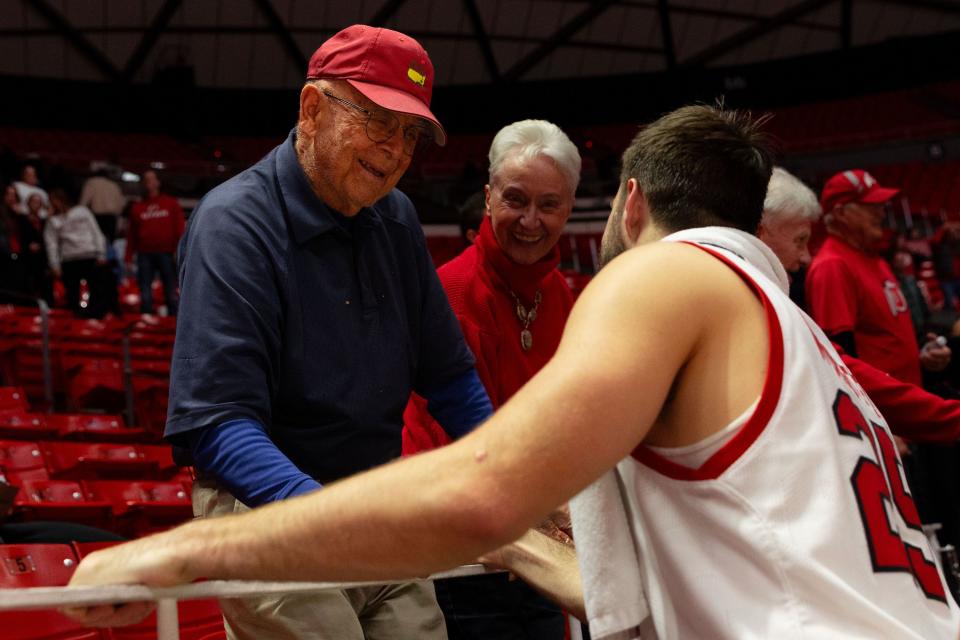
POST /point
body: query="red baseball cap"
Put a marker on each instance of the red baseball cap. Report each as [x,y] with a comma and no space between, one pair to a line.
[854,185]
[389,68]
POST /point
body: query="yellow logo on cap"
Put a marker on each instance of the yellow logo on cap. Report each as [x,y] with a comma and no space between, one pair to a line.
[417,76]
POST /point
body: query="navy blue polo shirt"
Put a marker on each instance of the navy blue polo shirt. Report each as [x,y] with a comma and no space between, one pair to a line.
[315,326]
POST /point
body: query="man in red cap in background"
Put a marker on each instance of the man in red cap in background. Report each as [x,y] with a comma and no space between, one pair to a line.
[851,291]
[309,311]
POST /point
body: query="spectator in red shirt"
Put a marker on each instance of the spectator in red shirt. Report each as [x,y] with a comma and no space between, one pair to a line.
[852,292]
[156,224]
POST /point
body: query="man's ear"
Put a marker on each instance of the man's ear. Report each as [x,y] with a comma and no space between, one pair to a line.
[636,211]
[309,109]
[486,199]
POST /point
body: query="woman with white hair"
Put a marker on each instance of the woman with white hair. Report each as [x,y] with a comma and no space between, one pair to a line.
[789,211]
[512,304]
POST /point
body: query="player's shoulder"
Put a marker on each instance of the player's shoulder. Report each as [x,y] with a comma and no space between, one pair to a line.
[659,262]
[670,276]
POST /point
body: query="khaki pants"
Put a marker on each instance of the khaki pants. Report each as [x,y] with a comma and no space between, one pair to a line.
[391,612]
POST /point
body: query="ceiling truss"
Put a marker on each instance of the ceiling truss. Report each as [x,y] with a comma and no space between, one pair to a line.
[799,13]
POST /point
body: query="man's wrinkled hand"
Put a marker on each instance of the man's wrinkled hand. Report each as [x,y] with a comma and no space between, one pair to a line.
[150,561]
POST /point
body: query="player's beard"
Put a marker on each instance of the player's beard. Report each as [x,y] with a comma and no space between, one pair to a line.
[612,244]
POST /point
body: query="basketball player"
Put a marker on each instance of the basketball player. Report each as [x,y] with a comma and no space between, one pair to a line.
[758,490]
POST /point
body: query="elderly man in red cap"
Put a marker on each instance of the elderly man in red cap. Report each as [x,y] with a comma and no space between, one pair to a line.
[852,293]
[310,310]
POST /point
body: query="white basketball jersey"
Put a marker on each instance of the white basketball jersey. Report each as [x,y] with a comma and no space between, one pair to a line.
[801,525]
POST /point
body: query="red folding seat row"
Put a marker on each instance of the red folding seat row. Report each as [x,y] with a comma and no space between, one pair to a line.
[92,461]
[25,425]
[102,428]
[129,508]
[59,500]
[52,565]
[141,508]
[88,460]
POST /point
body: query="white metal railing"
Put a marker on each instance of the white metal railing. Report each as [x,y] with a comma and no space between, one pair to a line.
[32,598]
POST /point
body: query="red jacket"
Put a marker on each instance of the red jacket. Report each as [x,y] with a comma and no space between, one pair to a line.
[911,412]
[156,225]
[480,284]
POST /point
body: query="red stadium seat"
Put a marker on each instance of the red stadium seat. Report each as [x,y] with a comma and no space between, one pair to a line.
[20,456]
[36,565]
[89,461]
[95,383]
[141,508]
[104,428]
[13,399]
[162,456]
[26,426]
[17,478]
[59,500]
[39,565]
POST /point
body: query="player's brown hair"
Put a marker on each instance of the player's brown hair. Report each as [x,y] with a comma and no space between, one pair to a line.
[700,166]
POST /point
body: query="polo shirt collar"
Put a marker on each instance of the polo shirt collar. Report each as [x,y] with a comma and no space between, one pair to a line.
[309,216]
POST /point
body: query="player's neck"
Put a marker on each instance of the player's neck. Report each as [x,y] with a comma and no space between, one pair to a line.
[651,233]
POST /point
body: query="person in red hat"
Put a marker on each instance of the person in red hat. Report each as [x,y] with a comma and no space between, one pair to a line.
[309,311]
[852,292]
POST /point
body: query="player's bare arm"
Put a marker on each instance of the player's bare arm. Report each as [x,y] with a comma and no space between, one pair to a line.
[628,337]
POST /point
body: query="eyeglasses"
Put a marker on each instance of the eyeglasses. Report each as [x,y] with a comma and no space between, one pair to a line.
[381,125]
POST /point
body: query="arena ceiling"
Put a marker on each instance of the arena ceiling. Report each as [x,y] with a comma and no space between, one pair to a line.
[264,44]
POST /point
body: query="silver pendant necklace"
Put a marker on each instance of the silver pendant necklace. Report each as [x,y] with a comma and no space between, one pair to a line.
[526,318]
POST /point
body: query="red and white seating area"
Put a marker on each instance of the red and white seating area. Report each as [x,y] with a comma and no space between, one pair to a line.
[68,443]
[110,366]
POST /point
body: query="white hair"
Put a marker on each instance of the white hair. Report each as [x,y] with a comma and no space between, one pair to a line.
[789,199]
[528,139]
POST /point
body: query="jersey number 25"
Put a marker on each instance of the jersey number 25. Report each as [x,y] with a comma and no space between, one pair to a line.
[876,482]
